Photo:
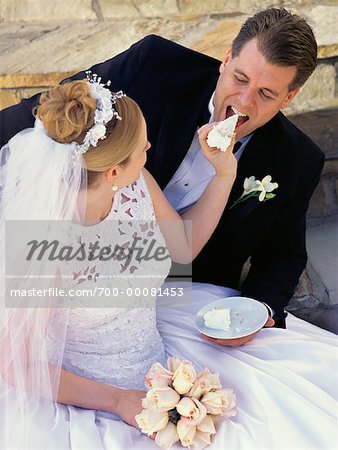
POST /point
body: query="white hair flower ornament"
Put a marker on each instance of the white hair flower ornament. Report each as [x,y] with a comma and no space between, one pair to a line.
[104,113]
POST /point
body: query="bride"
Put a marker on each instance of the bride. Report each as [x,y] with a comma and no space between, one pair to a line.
[72,367]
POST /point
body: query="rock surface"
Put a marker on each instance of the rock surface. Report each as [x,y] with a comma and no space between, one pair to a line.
[47,40]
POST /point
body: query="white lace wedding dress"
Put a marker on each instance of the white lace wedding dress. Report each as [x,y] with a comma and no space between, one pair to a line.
[285,380]
[116,344]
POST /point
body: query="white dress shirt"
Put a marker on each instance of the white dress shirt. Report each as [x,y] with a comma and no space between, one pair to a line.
[194,173]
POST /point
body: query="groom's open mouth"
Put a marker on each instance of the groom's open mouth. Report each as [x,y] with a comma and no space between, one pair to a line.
[231,110]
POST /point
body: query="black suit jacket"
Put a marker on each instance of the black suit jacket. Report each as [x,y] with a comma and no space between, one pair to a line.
[173,85]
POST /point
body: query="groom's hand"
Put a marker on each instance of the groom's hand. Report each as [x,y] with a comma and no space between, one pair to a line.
[239,341]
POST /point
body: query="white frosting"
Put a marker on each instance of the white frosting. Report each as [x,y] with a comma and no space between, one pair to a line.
[218,319]
[220,136]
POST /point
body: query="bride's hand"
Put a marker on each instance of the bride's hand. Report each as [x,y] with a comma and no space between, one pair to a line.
[225,163]
[129,405]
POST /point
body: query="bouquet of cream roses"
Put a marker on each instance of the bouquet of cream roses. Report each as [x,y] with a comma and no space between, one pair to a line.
[183,405]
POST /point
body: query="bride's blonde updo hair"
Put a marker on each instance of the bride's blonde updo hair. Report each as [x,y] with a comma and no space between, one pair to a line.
[67,112]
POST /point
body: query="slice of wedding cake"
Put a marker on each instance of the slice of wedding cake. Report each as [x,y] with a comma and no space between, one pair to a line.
[220,136]
[218,319]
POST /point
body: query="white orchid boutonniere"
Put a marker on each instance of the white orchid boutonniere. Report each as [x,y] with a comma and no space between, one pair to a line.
[255,188]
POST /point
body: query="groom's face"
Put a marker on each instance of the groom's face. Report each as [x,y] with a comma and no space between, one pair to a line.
[252,87]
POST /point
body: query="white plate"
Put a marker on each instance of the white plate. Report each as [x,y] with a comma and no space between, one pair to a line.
[247,316]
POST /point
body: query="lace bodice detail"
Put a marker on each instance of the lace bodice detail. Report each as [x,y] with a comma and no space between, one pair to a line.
[112,335]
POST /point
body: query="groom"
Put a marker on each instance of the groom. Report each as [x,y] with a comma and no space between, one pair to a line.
[179,90]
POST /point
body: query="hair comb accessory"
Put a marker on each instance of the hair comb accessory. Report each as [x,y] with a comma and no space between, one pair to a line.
[104,112]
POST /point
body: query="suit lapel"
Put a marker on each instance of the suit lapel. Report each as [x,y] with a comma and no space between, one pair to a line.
[172,145]
[257,161]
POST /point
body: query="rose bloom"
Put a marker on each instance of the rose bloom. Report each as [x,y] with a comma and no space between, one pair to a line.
[207,425]
[158,376]
[222,402]
[212,377]
[173,363]
[185,433]
[164,398]
[184,377]
[201,440]
[205,382]
[167,437]
[191,410]
[151,420]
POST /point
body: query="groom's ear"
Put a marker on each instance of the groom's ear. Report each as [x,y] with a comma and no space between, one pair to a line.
[291,95]
[226,59]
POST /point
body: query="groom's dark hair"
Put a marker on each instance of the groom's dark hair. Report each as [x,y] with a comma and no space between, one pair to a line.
[283,38]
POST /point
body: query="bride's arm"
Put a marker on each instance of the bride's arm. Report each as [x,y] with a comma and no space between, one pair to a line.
[89,394]
[186,235]
[79,391]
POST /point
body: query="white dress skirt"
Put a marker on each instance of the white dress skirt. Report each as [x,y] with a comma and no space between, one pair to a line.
[285,382]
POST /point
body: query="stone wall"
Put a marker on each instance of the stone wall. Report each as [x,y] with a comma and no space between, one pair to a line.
[43,41]
[32,10]
[321,126]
